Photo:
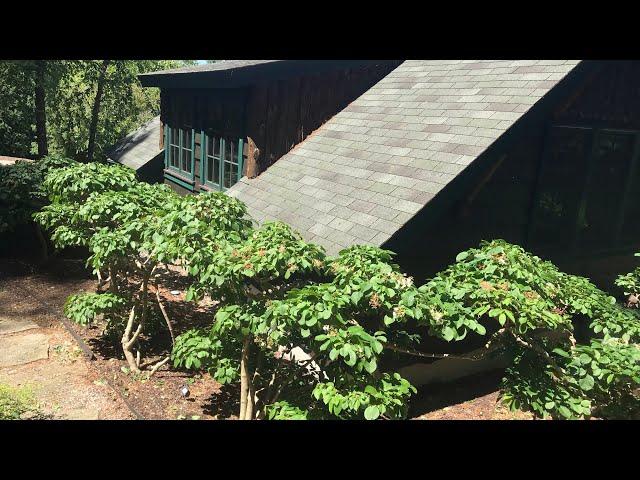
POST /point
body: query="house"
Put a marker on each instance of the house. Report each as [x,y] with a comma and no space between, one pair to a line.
[425,158]
[141,151]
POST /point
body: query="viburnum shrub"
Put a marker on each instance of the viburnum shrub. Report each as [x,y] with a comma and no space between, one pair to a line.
[130,228]
[83,308]
[22,193]
[301,332]
[535,306]
[630,283]
[305,335]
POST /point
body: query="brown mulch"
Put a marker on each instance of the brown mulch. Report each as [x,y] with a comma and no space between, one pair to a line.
[41,292]
[471,398]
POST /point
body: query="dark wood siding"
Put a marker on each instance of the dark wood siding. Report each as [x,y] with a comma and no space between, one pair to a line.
[609,96]
[271,116]
[501,203]
[282,113]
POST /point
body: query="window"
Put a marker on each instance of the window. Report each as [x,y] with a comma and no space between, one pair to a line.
[179,154]
[584,200]
[222,161]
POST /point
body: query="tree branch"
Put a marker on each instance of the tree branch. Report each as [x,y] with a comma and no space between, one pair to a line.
[166,317]
[155,368]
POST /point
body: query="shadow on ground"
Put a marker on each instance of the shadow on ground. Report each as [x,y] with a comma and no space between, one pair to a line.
[440,395]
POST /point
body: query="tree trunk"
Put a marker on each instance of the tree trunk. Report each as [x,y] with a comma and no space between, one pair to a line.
[44,249]
[41,113]
[93,127]
[126,342]
[244,378]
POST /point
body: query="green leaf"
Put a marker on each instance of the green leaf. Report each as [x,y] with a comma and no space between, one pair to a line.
[462,256]
[586,383]
[565,412]
[372,412]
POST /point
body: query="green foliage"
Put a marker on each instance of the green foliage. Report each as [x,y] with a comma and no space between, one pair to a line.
[75,183]
[83,308]
[15,402]
[21,189]
[387,397]
[17,84]
[70,88]
[630,283]
[282,297]
[130,228]
[283,410]
[595,379]
[533,306]
[193,227]
[192,350]
[305,334]
[125,104]
[271,254]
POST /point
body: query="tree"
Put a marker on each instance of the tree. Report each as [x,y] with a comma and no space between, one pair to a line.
[41,114]
[129,228]
[96,110]
[282,299]
[17,84]
[57,105]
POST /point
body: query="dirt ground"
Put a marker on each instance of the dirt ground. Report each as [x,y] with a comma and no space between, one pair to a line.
[70,386]
[471,398]
[65,385]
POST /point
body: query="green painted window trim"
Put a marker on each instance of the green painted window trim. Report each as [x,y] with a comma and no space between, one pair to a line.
[167,152]
[204,164]
[168,175]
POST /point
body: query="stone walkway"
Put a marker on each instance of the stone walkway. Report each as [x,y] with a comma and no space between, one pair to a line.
[37,352]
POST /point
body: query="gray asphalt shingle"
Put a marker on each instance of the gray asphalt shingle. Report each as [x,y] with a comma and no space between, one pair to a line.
[396,146]
[138,147]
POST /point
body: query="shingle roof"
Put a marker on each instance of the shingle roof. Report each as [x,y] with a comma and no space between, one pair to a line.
[375,164]
[139,147]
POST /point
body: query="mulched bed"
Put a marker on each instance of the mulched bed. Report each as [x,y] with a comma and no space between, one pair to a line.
[42,291]
[46,289]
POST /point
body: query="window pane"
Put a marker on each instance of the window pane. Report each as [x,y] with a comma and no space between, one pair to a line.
[612,159]
[216,147]
[186,138]
[186,160]
[213,173]
[557,200]
[210,142]
[229,150]
[230,174]
[216,171]
[174,156]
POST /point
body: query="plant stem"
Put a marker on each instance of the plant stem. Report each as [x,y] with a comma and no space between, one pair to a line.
[244,377]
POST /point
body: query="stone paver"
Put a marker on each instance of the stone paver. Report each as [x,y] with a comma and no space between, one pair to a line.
[23,348]
[14,325]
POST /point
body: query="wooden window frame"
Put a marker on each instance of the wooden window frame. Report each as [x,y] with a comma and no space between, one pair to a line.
[595,131]
[181,174]
[221,159]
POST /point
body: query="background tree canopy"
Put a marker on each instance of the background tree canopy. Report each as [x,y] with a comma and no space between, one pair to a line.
[70,88]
